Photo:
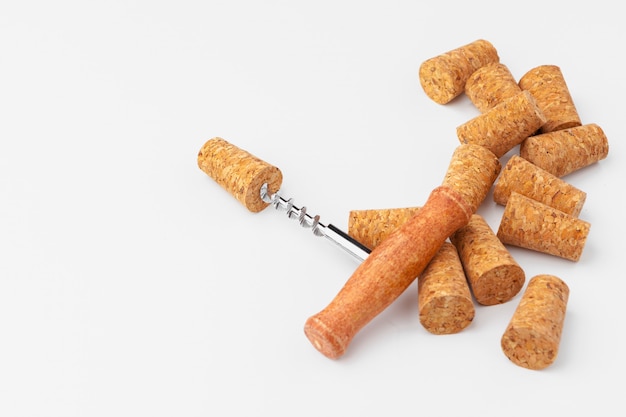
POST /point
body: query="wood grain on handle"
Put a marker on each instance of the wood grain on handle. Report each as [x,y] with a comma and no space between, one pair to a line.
[390,268]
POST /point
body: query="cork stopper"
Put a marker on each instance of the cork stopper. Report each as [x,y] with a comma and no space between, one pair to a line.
[490,85]
[444,298]
[533,225]
[443,77]
[526,178]
[533,335]
[564,151]
[239,172]
[493,275]
[372,226]
[505,125]
[471,172]
[547,84]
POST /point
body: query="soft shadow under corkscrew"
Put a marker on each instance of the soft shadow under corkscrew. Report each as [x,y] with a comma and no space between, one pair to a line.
[255,184]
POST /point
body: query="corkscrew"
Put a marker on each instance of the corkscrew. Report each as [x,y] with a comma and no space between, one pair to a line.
[331,232]
[255,184]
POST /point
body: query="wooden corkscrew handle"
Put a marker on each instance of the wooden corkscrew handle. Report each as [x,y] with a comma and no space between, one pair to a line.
[389,269]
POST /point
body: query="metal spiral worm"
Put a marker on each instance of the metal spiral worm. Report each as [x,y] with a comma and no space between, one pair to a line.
[305,220]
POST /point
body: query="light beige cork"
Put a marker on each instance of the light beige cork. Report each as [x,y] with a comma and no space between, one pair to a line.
[493,274]
[372,226]
[533,336]
[526,178]
[490,85]
[444,298]
[239,172]
[529,224]
[504,126]
[472,171]
[564,151]
[547,84]
[389,269]
[443,77]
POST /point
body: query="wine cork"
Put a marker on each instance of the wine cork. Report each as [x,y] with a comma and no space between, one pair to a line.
[444,298]
[533,336]
[493,275]
[505,125]
[547,84]
[564,151]
[443,77]
[239,172]
[533,225]
[472,171]
[528,179]
[490,85]
[372,226]
[389,269]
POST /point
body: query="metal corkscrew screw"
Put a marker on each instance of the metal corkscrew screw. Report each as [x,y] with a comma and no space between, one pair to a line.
[331,232]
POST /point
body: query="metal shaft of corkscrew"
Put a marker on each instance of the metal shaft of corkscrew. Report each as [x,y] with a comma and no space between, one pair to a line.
[331,232]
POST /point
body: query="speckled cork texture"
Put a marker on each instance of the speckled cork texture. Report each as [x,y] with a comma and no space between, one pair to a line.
[533,225]
[372,226]
[533,335]
[389,269]
[443,77]
[504,126]
[472,171]
[490,85]
[239,172]
[547,84]
[444,298]
[565,151]
[493,274]
[526,178]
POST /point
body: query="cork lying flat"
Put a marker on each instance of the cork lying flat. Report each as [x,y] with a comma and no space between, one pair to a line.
[533,225]
[239,172]
[526,178]
[493,275]
[567,150]
[490,85]
[504,126]
[547,84]
[443,77]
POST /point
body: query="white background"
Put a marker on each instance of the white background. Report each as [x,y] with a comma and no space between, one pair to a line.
[132,284]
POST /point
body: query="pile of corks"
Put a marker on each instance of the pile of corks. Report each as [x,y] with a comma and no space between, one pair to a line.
[471,262]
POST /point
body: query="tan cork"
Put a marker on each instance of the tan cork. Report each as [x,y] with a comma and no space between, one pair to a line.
[389,269]
[564,151]
[443,77]
[533,335]
[504,126]
[239,172]
[528,179]
[444,298]
[547,84]
[472,171]
[372,226]
[493,275]
[490,85]
[533,225]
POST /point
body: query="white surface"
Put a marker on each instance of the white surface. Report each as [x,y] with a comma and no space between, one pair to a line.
[131,284]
